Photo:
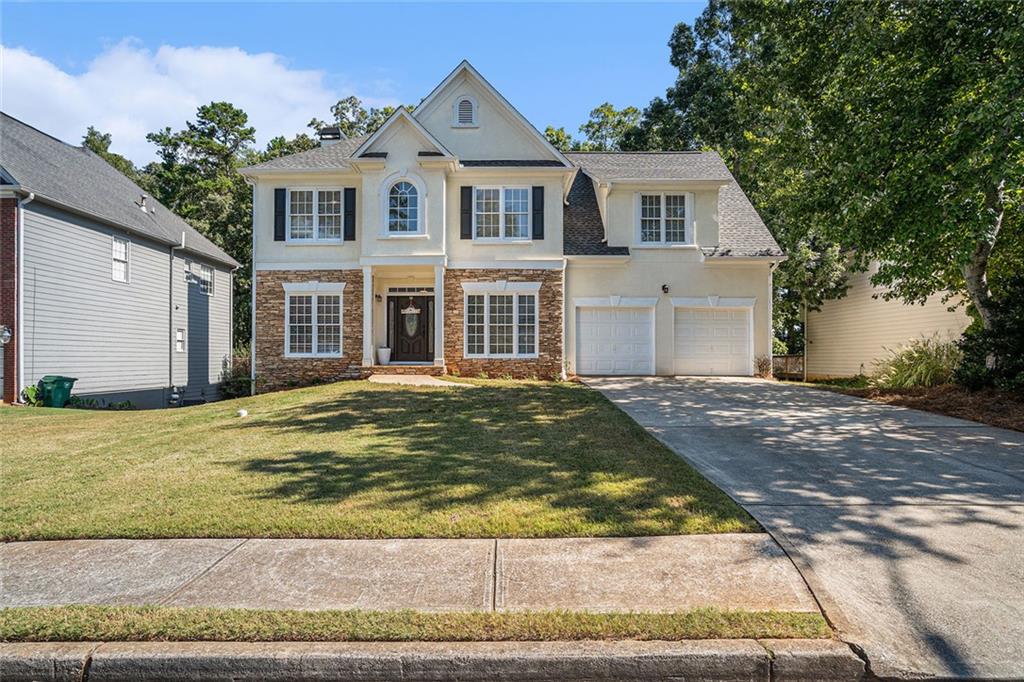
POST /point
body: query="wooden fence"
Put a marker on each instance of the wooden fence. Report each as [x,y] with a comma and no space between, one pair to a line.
[788,366]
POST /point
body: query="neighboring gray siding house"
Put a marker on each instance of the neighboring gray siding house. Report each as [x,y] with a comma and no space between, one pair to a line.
[99,283]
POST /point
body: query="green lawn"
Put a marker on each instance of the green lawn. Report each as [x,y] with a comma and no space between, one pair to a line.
[148,623]
[354,460]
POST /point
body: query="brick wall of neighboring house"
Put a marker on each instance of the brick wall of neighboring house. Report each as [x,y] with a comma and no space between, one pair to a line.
[549,309]
[9,294]
[274,371]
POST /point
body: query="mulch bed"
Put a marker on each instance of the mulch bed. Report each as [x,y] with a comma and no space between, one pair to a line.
[988,406]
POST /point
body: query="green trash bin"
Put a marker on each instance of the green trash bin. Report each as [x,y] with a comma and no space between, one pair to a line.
[56,390]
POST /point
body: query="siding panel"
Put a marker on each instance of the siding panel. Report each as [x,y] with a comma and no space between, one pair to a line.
[78,321]
[847,336]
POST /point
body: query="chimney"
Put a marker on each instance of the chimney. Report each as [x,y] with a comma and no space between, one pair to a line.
[330,135]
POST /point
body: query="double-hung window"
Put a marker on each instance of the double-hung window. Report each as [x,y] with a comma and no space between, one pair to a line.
[314,215]
[313,318]
[119,259]
[205,279]
[501,213]
[501,323]
[665,218]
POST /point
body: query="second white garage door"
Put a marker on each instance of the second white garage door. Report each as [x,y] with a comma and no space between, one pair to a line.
[614,340]
[713,341]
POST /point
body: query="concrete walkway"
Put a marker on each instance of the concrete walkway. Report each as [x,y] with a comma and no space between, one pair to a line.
[654,574]
[908,526]
[416,380]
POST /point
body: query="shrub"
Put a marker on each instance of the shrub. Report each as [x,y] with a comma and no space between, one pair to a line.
[995,357]
[922,362]
[763,366]
[779,346]
[235,380]
[32,396]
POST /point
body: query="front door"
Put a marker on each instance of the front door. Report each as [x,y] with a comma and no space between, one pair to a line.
[410,328]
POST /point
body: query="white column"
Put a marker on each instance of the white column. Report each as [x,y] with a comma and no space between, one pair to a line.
[367,316]
[439,315]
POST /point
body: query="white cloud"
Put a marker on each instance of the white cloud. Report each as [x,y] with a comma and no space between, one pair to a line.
[129,91]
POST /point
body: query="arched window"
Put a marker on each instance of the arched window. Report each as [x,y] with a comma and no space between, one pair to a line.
[465,112]
[403,208]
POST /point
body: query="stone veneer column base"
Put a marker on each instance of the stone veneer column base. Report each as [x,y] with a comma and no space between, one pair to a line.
[274,371]
[549,309]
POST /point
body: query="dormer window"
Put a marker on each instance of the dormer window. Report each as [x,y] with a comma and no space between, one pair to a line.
[464,115]
[665,219]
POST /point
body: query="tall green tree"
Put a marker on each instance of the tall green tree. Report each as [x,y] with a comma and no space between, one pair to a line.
[605,130]
[197,177]
[354,119]
[99,143]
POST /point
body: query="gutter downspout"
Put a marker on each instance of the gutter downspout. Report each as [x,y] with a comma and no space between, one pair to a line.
[170,322]
[20,294]
[252,294]
[771,317]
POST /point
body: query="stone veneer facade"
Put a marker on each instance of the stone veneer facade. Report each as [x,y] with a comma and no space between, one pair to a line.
[274,371]
[549,309]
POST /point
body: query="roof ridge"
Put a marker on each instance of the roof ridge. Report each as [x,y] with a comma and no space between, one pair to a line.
[44,133]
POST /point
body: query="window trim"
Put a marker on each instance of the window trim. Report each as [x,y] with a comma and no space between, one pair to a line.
[502,239]
[114,239]
[315,239]
[203,267]
[455,112]
[315,290]
[421,212]
[501,288]
[179,332]
[690,227]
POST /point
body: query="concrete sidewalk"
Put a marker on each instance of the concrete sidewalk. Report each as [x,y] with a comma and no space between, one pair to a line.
[647,574]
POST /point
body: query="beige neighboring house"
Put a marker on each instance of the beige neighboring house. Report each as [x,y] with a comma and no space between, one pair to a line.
[849,335]
[457,239]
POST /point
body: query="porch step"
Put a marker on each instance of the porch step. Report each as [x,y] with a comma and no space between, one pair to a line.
[427,370]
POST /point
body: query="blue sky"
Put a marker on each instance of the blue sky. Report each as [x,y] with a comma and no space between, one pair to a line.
[132,68]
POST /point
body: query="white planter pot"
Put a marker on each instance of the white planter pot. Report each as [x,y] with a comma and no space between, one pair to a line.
[383,355]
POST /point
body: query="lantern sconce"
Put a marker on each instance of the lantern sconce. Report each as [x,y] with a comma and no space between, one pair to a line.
[664,288]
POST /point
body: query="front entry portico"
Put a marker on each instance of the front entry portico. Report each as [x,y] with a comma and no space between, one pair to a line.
[403,312]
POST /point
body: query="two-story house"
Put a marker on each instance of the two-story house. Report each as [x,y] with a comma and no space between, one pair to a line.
[458,239]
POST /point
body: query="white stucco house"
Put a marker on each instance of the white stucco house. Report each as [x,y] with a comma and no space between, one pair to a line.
[457,239]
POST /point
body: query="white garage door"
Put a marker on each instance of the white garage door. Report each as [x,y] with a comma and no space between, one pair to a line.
[712,341]
[614,340]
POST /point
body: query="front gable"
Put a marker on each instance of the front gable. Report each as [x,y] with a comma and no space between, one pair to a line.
[497,131]
[401,135]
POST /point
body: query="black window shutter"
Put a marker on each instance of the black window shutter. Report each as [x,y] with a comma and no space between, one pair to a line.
[350,214]
[466,213]
[538,213]
[279,199]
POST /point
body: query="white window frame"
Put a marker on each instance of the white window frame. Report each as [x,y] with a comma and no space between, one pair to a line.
[690,241]
[115,239]
[201,279]
[488,289]
[501,238]
[455,112]
[421,212]
[316,238]
[179,340]
[315,290]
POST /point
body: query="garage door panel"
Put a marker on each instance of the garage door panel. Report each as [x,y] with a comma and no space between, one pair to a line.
[614,341]
[712,342]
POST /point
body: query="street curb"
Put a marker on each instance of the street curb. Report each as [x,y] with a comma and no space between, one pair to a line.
[738,659]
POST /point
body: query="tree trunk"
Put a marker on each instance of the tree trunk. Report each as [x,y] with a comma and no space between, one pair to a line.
[976,270]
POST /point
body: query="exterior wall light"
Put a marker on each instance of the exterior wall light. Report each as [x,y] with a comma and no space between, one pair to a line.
[664,288]
[5,335]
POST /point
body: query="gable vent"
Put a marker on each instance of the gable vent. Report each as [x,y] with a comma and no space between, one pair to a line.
[465,112]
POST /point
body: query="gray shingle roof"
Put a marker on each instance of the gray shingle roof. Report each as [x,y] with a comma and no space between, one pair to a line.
[741,232]
[652,165]
[582,228]
[513,163]
[329,156]
[78,178]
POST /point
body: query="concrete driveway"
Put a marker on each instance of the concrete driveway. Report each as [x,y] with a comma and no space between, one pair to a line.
[907,526]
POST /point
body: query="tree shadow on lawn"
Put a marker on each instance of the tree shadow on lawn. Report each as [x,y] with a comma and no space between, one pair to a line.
[561,450]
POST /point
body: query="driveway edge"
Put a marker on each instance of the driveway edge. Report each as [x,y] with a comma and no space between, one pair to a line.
[740,659]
